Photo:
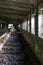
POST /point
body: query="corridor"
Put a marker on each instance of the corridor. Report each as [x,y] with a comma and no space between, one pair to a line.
[13,52]
[21,32]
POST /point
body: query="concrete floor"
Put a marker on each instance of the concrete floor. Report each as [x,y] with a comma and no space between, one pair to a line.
[15,50]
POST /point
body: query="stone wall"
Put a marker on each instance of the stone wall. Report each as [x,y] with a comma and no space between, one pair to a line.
[35,43]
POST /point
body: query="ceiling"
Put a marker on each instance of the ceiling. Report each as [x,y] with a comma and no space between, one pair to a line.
[14,11]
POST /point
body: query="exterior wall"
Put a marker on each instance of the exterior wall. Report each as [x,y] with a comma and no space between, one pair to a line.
[35,43]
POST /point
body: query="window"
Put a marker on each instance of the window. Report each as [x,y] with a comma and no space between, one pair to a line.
[33,25]
[40,24]
[10,25]
[24,25]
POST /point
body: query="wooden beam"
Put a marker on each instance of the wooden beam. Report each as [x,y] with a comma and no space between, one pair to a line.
[1,21]
[9,13]
[9,10]
[6,10]
[13,13]
[12,7]
[11,16]
[16,4]
[10,19]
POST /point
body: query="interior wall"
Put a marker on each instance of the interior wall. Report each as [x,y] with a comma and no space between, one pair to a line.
[35,43]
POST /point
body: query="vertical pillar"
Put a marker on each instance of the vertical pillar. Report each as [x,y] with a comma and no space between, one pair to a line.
[4,26]
[30,20]
[27,24]
[13,24]
[16,26]
[0,26]
[36,29]
[21,25]
[36,21]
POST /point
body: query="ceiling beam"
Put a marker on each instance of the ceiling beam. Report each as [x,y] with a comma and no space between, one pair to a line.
[12,11]
[1,21]
[9,13]
[5,21]
[12,7]
[16,4]
[13,22]
[10,19]
[11,16]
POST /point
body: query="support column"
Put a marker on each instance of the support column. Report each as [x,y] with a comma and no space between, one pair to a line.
[0,26]
[27,24]
[4,26]
[21,25]
[14,25]
[30,20]
[36,21]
